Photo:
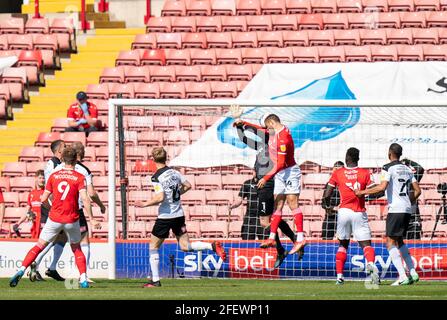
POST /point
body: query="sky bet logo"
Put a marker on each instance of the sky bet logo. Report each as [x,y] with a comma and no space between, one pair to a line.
[198,263]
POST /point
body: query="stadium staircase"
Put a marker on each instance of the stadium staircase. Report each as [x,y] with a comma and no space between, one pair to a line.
[53,100]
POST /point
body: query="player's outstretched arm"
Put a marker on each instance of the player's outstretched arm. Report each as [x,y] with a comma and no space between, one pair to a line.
[95,198]
[88,208]
[415,192]
[44,199]
[327,195]
[186,186]
[377,189]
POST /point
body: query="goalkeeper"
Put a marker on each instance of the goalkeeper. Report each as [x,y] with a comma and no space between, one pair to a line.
[266,199]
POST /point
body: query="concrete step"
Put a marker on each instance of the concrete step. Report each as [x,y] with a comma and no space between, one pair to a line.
[109,24]
[97,16]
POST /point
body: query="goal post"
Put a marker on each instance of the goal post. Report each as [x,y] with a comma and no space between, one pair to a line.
[425,119]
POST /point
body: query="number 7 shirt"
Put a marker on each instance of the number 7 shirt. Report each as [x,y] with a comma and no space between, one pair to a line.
[65,186]
[347,180]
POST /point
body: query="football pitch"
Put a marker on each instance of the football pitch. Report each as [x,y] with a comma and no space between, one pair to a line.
[222,289]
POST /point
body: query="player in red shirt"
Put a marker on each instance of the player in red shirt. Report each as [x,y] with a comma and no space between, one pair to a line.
[66,186]
[82,115]
[287,176]
[352,217]
[33,207]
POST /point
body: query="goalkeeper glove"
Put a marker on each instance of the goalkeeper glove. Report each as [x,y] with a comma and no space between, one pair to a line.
[81,121]
[16,230]
[31,215]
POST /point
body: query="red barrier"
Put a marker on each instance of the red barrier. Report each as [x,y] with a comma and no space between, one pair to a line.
[84,23]
[103,6]
[148,11]
[36,9]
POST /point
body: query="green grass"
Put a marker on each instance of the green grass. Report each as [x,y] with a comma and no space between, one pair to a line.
[222,289]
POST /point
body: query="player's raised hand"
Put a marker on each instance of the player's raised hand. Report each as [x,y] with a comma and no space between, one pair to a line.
[358,193]
[140,204]
[261,183]
[236,111]
[103,209]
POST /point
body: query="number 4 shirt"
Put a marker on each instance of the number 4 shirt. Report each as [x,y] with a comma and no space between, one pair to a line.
[65,186]
[169,182]
[347,180]
[399,178]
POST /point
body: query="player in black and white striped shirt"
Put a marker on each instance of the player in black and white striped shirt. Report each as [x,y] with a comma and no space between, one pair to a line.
[402,190]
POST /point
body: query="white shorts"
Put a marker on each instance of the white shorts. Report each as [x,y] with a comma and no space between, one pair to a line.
[51,230]
[350,222]
[288,181]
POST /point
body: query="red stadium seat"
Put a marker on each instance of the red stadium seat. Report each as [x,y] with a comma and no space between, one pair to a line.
[70,137]
[219,197]
[173,8]
[270,39]
[295,38]
[375,5]
[20,42]
[198,90]
[162,73]
[193,228]
[377,228]
[44,139]
[362,20]
[346,37]
[248,7]
[244,39]
[194,40]
[4,184]
[184,24]
[298,6]
[188,73]
[208,182]
[11,199]
[373,36]
[239,72]
[22,184]
[399,36]
[146,214]
[254,55]
[331,54]
[98,91]
[134,153]
[410,53]
[13,215]
[147,90]
[37,25]
[136,74]
[115,74]
[96,167]
[276,7]
[125,90]
[4,42]
[198,8]
[413,20]
[65,33]
[12,25]
[178,57]
[145,41]
[176,138]
[280,55]
[234,23]
[427,212]
[203,213]
[346,6]
[214,229]
[388,20]
[32,167]
[313,213]
[223,7]
[150,138]
[321,38]
[97,139]
[30,154]
[235,229]
[357,54]
[425,36]
[129,58]
[437,19]
[49,47]
[199,56]
[138,123]
[383,53]
[234,182]
[305,54]
[324,6]
[194,197]
[144,167]
[219,40]
[153,57]
[315,180]
[223,89]
[208,24]
[90,154]
[311,21]
[259,23]
[158,24]
[285,22]
[434,52]
[400,5]
[335,21]
[427,5]
[228,56]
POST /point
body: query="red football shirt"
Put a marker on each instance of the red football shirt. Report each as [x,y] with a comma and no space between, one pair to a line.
[348,179]
[75,112]
[35,204]
[65,185]
[281,150]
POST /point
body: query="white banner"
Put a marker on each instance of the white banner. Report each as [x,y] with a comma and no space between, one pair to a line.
[322,135]
[12,253]
[7,62]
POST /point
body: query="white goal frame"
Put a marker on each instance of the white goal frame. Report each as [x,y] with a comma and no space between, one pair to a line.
[113,104]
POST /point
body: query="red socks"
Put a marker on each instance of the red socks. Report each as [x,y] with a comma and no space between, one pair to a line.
[369,254]
[80,259]
[340,259]
[32,255]
[298,218]
[276,219]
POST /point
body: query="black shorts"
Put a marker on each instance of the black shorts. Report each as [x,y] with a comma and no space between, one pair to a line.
[83,221]
[397,224]
[266,202]
[163,226]
[44,212]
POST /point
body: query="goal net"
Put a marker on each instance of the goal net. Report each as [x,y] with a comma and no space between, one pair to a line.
[205,147]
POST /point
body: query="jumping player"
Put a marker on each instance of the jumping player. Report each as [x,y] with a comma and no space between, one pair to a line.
[352,217]
[169,185]
[66,186]
[287,177]
[402,191]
